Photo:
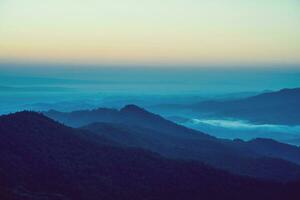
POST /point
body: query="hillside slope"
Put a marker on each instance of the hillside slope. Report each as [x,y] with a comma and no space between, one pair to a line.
[41,159]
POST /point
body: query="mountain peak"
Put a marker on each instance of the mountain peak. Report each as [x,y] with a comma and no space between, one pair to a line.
[132,108]
[27,119]
[289,90]
[23,115]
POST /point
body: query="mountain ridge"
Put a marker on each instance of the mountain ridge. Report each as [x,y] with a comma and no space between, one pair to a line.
[154,133]
[279,107]
[78,167]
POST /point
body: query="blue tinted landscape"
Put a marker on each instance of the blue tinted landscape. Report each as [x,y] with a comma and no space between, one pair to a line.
[162,125]
[149,100]
[164,90]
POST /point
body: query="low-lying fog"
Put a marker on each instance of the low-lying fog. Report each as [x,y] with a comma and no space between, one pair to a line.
[234,128]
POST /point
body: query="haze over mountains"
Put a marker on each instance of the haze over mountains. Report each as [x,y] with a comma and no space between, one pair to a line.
[65,87]
[280,107]
[132,153]
[273,115]
[149,100]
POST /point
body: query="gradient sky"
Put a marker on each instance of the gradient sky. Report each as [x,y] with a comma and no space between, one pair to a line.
[151,31]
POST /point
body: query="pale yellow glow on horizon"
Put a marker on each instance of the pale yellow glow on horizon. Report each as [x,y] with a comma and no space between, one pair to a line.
[151,31]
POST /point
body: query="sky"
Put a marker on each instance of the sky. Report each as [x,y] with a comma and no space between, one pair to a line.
[150,31]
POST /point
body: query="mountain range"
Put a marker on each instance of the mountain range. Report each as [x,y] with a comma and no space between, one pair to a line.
[133,126]
[43,159]
[280,107]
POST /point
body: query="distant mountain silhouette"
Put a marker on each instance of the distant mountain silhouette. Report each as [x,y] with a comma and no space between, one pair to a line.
[272,148]
[135,127]
[281,107]
[129,115]
[81,117]
[42,159]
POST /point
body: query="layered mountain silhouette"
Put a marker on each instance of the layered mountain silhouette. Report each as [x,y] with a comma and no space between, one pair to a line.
[43,159]
[280,107]
[135,127]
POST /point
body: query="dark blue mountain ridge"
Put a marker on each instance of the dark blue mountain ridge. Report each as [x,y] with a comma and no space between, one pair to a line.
[280,107]
[135,127]
[237,157]
[130,115]
[42,159]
